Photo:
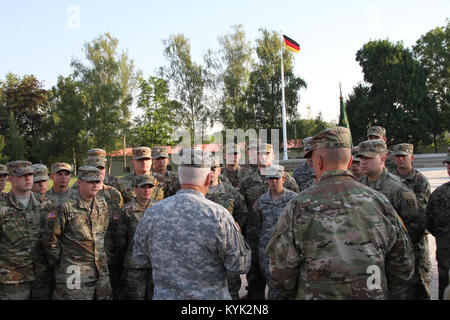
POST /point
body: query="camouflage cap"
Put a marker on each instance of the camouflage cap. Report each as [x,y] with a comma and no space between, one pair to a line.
[215,161]
[307,144]
[19,168]
[264,148]
[160,152]
[274,171]
[142,153]
[448,157]
[195,158]
[355,151]
[88,173]
[370,148]
[330,138]
[61,166]
[3,169]
[96,153]
[144,179]
[232,148]
[96,162]
[253,143]
[378,131]
[403,149]
[40,172]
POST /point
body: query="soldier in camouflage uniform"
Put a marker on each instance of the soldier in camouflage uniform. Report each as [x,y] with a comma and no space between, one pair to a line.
[190,242]
[3,178]
[24,271]
[270,205]
[373,154]
[378,132]
[142,162]
[233,171]
[403,157]
[136,282]
[252,187]
[333,236]
[40,186]
[228,197]
[109,180]
[356,164]
[304,174]
[167,180]
[74,239]
[61,181]
[438,223]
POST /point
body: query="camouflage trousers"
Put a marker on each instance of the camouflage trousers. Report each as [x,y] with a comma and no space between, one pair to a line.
[137,284]
[234,284]
[95,290]
[423,267]
[30,290]
[255,278]
[273,293]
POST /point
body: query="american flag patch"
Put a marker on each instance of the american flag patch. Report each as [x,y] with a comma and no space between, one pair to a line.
[115,217]
[51,215]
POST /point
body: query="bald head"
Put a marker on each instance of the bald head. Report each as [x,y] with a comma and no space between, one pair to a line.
[331,159]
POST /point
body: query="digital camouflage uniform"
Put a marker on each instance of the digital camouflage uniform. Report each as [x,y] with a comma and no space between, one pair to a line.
[252,187]
[405,204]
[24,270]
[136,282]
[232,200]
[438,223]
[54,196]
[190,243]
[74,237]
[333,236]
[235,177]
[169,182]
[304,176]
[270,210]
[126,188]
[421,187]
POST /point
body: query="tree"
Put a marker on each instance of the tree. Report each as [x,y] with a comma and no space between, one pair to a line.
[157,124]
[15,143]
[433,52]
[230,74]
[106,86]
[186,81]
[3,157]
[302,128]
[264,92]
[397,97]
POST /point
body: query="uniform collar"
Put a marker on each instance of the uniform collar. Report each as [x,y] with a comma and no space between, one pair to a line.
[336,173]
[14,202]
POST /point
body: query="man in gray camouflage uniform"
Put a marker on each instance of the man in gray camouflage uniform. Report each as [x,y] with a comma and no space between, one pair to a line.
[304,174]
[438,223]
[190,242]
[334,238]
[373,155]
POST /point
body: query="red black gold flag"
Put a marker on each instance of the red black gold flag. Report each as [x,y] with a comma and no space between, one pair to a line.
[291,44]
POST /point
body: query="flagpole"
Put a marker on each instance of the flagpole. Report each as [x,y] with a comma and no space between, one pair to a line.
[283,105]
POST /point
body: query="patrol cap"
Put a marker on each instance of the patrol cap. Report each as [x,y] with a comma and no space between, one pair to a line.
[3,169]
[96,162]
[274,171]
[307,144]
[160,152]
[195,158]
[378,131]
[264,148]
[144,179]
[40,172]
[330,138]
[215,161]
[89,173]
[403,149]
[142,153]
[232,148]
[96,153]
[355,151]
[448,157]
[19,168]
[253,143]
[370,148]
[61,166]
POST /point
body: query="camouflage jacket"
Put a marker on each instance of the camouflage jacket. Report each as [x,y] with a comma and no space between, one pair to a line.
[111,180]
[168,182]
[235,177]
[190,243]
[438,221]
[22,255]
[304,176]
[403,200]
[74,236]
[55,197]
[127,190]
[132,212]
[419,184]
[232,200]
[330,238]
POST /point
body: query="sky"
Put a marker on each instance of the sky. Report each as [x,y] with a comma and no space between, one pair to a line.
[42,37]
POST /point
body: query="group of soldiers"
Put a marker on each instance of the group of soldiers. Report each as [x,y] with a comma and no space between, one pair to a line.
[312,235]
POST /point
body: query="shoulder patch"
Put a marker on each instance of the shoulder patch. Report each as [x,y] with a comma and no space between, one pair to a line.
[51,215]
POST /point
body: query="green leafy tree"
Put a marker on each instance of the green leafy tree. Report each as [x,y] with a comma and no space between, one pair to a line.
[3,157]
[302,128]
[157,124]
[15,143]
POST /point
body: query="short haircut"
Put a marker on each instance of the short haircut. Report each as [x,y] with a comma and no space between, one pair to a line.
[193,175]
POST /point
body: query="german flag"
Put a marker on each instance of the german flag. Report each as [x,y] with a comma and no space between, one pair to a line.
[291,45]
